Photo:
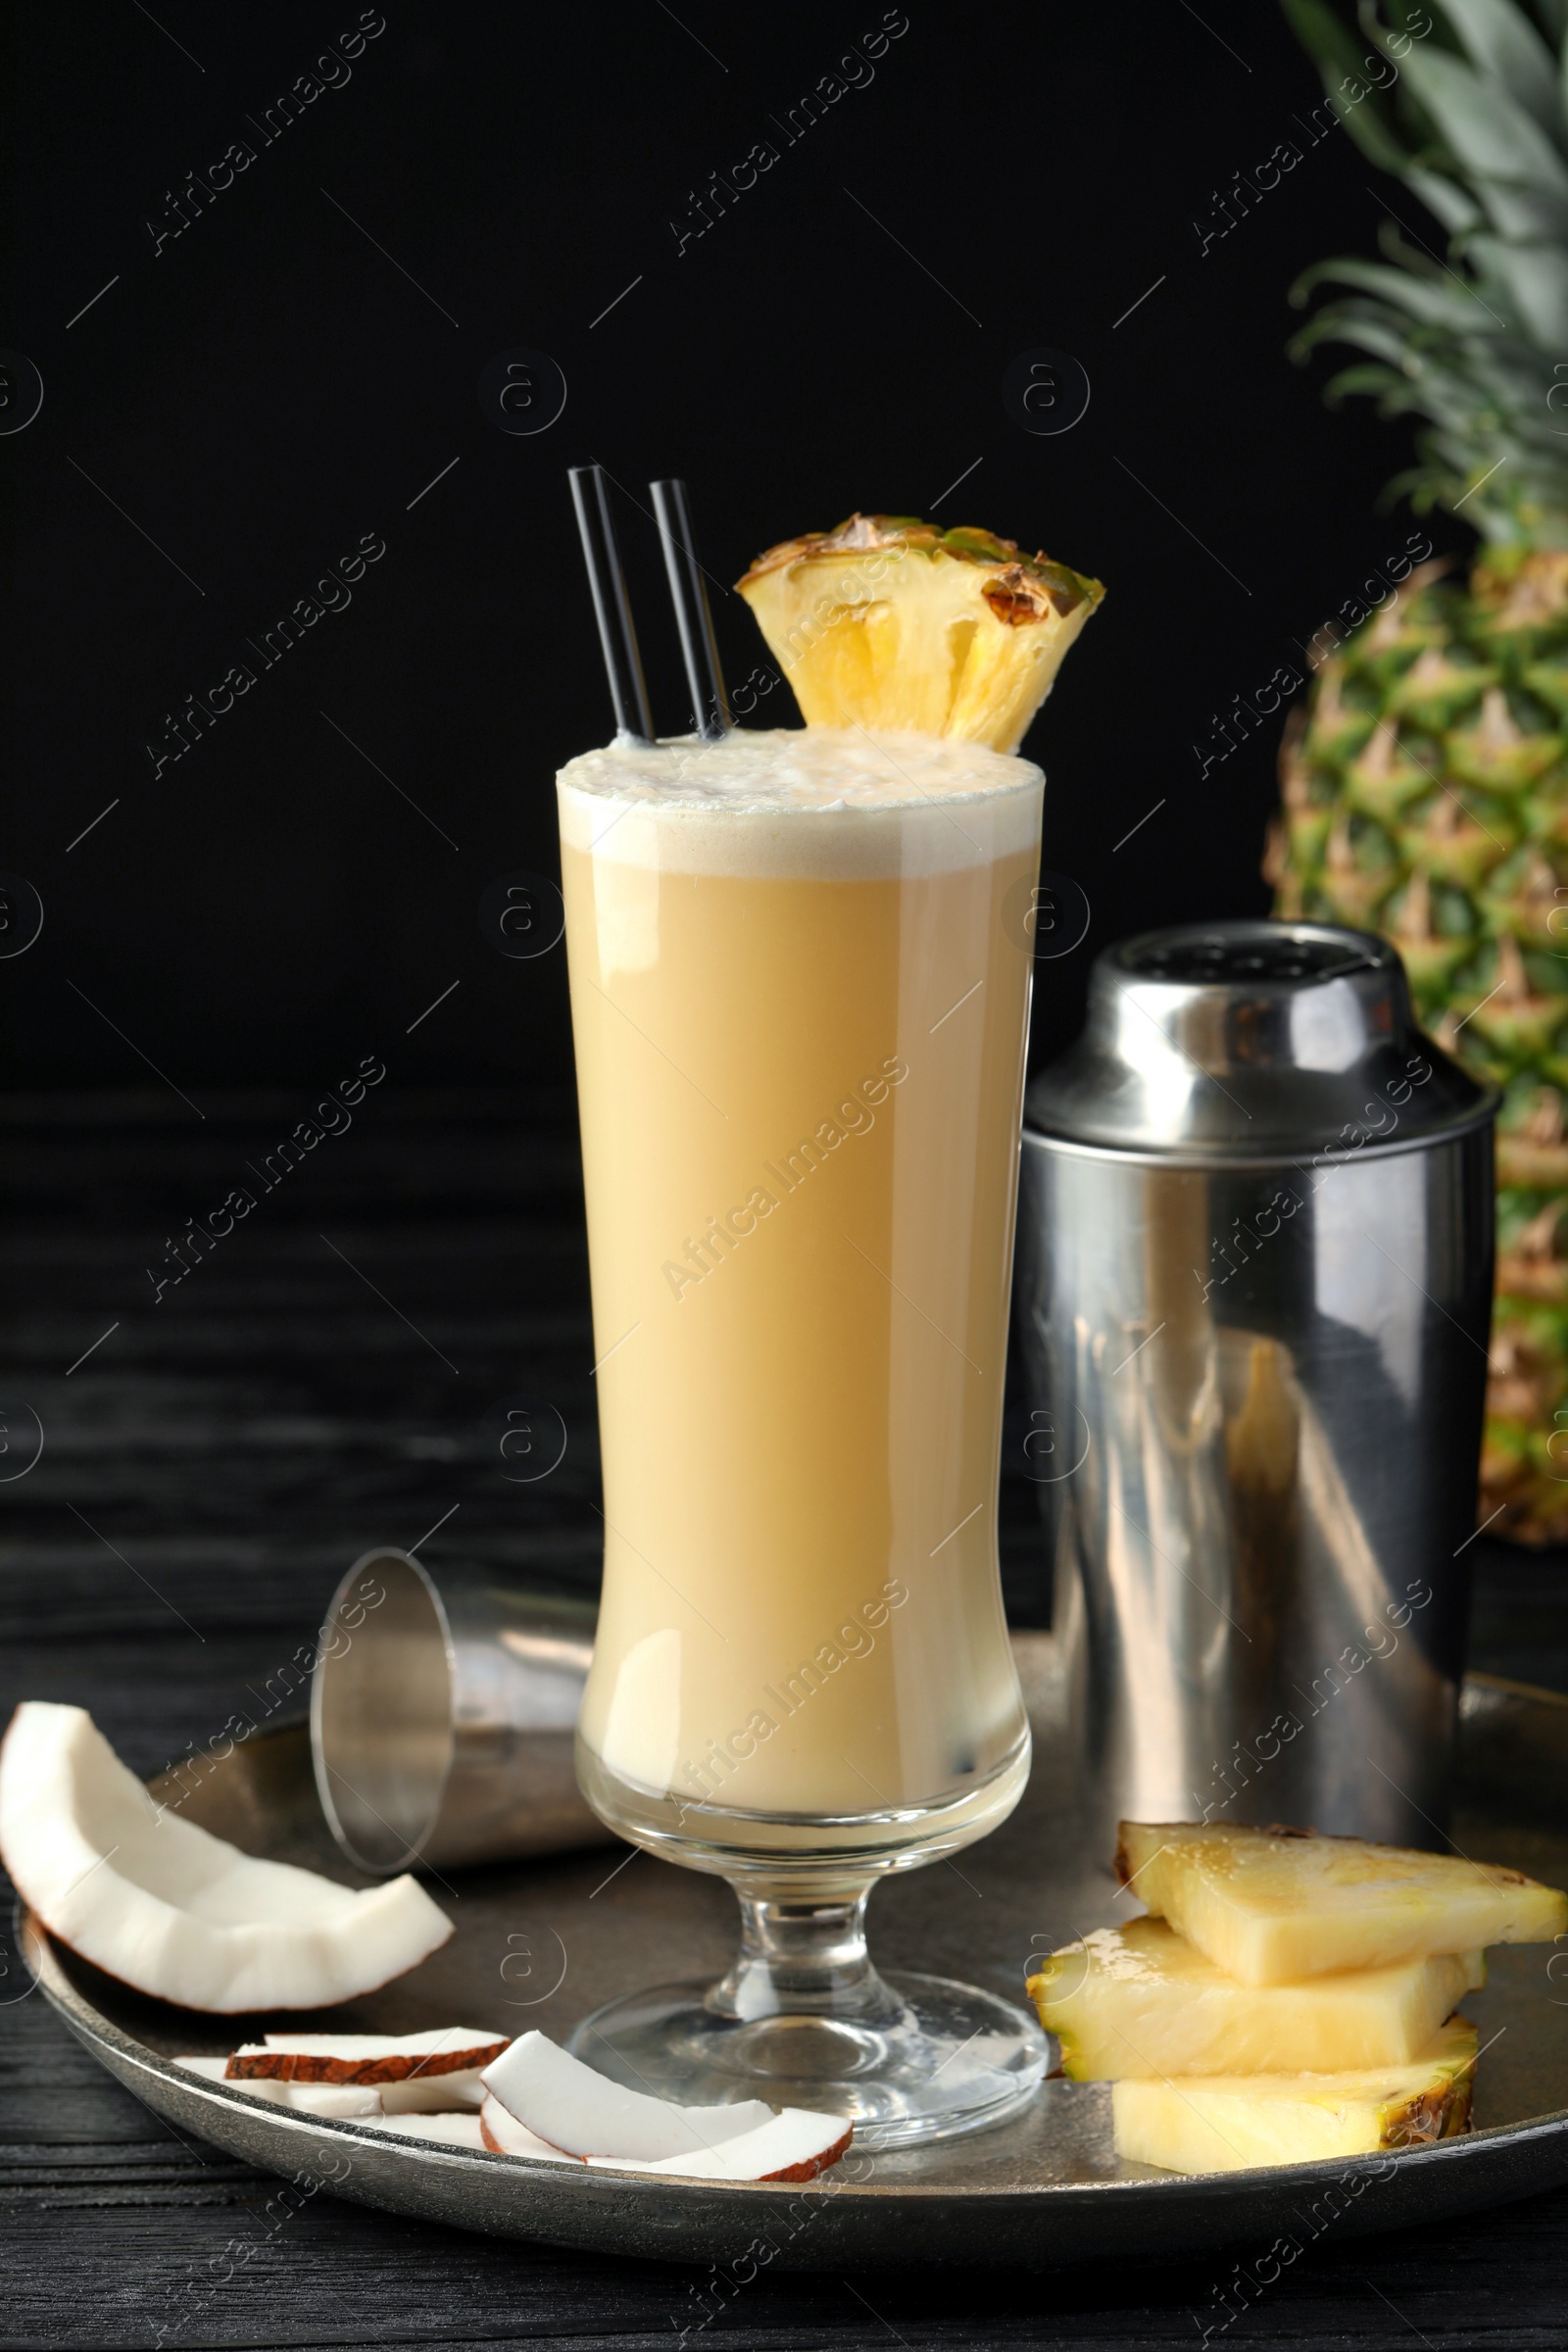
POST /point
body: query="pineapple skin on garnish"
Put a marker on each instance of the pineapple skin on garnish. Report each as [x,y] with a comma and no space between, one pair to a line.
[1274,1906]
[1227,2125]
[889,623]
[1139,2001]
[1426,793]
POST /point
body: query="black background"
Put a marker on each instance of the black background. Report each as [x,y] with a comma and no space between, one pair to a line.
[269,386]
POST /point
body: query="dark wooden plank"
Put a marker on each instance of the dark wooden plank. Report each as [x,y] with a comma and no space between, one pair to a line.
[263,2268]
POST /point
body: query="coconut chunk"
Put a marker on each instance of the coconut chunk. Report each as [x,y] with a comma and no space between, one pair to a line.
[562,2107]
[794,2144]
[356,2102]
[501,2132]
[368,2057]
[582,2113]
[166,1907]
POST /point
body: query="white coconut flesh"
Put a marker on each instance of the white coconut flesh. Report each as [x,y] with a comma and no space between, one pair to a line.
[560,2104]
[354,2101]
[793,2145]
[168,1908]
[796,2144]
[436,2107]
[429,2094]
[584,2114]
[384,2058]
[501,2132]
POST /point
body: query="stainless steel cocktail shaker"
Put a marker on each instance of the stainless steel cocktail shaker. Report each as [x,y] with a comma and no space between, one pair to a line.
[1255,1280]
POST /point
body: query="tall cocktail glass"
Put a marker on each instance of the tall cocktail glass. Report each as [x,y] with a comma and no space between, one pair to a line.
[800,978]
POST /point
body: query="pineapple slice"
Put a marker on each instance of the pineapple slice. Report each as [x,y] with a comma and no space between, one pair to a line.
[888,622]
[1224,2124]
[1272,1906]
[1140,2000]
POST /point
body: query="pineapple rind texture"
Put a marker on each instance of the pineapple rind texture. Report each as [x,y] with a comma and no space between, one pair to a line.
[1426,795]
[1274,1906]
[1138,2001]
[1228,2125]
[889,623]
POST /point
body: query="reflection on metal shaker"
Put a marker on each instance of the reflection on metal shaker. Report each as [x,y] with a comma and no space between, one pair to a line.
[1255,1258]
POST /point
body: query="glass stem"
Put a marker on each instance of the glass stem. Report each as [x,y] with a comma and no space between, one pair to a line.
[804,1959]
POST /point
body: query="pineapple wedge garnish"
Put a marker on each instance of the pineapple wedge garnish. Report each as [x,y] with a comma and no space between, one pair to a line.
[1223,2124]
[1140,2000]
[1272,1906]
[888,622]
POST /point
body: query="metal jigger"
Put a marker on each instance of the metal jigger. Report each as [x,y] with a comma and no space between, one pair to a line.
[442,1717]
[1254,1253]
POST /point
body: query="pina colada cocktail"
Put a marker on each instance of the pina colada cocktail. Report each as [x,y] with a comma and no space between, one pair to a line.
[800,976]
[800,988]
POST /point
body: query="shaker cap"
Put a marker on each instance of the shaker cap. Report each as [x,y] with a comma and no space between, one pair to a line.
[1249,1040]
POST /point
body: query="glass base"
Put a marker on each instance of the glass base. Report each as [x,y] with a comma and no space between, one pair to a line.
[907,2059]
[807,1856]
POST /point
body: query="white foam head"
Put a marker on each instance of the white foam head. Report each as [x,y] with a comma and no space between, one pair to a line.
[826,802]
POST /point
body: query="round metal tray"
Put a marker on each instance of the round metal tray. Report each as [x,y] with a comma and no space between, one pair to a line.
[543,1943]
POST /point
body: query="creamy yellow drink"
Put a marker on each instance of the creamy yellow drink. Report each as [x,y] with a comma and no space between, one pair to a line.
[800,976]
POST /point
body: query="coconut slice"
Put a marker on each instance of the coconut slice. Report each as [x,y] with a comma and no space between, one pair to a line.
[368,2057]
[456,2130]
[429,2094]
[501,2132]
[366,2103]
[791,2145]
[358,2102]
[164,1906]
[582,2113]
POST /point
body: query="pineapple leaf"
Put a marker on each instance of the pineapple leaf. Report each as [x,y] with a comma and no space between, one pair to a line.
[1518,174]
[1325,35]
[1470,344]
[1369,327]
[1370,125]
[1341,55]
[1505,48]
[1444,199]
[1537,279]
[1386,383]
[1420,260]
[1456,306]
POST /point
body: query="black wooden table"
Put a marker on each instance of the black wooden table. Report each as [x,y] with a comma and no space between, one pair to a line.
[214,1456]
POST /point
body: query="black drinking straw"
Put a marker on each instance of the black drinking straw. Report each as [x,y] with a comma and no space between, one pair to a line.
[634,721]
[689,595]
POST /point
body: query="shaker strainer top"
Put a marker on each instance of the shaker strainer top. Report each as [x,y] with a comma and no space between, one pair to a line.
[1220,955]
[1244,1041]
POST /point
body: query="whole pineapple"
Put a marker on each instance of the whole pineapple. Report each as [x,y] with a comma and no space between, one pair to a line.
[1425,787]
